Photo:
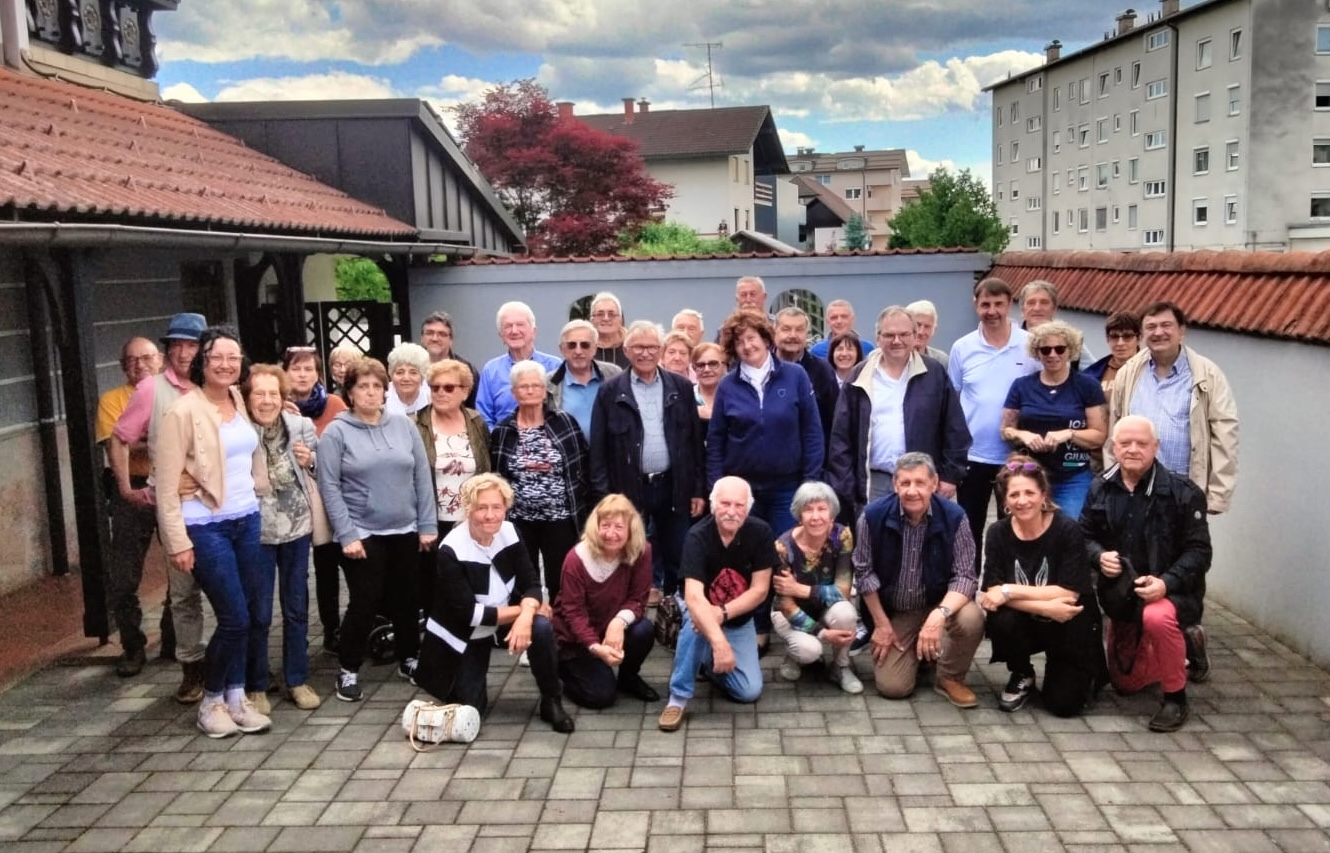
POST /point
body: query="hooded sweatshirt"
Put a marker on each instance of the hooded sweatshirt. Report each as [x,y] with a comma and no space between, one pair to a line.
[368,475]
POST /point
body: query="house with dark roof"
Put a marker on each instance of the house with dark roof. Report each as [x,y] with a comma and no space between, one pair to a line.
[726,165]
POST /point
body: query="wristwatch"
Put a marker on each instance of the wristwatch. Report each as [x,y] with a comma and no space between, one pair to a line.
[946,611]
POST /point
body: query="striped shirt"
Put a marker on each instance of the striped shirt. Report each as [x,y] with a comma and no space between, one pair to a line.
[1167,403]
[909,593]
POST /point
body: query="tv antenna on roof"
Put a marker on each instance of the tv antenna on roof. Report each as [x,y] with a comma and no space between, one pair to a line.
[709,77]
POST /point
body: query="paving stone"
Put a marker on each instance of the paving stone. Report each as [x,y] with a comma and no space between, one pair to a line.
[620,830]
[242,839]
[566,836]
[316,839]
[172,840]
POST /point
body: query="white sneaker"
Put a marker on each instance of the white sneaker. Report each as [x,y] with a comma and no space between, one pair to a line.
[790,670]
[844,677]
[215,721]
[247,718]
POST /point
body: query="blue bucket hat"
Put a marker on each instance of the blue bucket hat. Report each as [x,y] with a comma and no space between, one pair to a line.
[185,327]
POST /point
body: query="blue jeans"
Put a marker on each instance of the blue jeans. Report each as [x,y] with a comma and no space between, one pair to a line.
[666,529]
[291,562]
[1069,493]
[742,684]
[230,568]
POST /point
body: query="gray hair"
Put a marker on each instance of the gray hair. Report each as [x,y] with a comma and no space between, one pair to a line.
[689,312]
[814,491]
[792,311]
[584,325]
[643,327]
[413,355]
[437,317]
[1056,329]
[522,368]
[837,302]
[715,489]
[892,311]
[510,307]
[605,296]
[916,459]
[1133,420]
[922,307]
[751,278]
[1037,285]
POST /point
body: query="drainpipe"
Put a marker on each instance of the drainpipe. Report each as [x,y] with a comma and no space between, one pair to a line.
[1173,135]
[13,32]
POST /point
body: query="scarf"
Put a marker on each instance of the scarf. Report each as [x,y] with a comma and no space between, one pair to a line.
[312,407]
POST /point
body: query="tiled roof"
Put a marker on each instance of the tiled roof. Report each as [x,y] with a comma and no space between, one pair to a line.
[1262,293]
[90,155]
[686,133]
[877,159]
[623,259]
[808,186]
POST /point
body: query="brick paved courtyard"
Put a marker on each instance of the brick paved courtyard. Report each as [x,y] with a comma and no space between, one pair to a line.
[90,762]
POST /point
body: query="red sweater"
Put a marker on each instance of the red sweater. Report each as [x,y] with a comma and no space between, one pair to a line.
[585,607]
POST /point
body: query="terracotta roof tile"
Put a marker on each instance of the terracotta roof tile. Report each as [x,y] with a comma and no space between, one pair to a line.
[66,149]
[1285,295]
[686,133]
[622,259]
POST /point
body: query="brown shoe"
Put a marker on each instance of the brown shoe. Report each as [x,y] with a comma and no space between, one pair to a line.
[191,683]
[956,692]
[671,718]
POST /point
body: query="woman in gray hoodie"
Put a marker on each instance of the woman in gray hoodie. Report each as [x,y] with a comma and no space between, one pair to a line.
[376,486]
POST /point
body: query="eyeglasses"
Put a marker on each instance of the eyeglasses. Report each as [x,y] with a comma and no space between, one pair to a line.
[706,365]
[1025,467]
[445,387]
[229,360]
[895,336]
[1122,336]
[577,344]
[1060,349]
[644,349]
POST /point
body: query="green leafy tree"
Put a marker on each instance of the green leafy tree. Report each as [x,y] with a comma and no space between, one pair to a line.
[855,235]
[956,211]
[361,279]
[654,239]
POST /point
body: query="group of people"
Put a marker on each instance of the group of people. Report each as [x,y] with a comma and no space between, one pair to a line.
[544,503]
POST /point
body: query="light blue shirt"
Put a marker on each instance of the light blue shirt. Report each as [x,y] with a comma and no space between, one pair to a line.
[494,390]
[982,375]
[1167,403]
[819,349]
[650,397]
[579,399]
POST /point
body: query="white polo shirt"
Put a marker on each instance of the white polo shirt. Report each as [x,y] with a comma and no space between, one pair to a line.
[982,374]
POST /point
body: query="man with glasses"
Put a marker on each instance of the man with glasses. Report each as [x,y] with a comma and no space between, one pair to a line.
[607,317]
[436,336]
[646,444]
[574,385]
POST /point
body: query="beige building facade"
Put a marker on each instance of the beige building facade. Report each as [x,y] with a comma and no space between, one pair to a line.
[869,182]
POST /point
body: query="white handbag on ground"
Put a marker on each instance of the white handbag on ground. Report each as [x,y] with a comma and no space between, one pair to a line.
[430,723]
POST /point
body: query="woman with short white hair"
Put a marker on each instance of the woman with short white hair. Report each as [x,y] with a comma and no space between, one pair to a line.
[407,364]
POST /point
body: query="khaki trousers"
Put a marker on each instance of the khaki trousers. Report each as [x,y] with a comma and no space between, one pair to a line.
[895,676]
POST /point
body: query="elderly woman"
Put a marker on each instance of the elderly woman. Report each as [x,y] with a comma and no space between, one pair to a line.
[485,582]
[1123,331]
[376,486]
[407,364]
[844,352]
[1058,415]
[314,402]
[543,454]
[676,354]
[812,582]
[287,526]
[709,365]
[210,472]
[1040,596]
[600,618]
[339,359]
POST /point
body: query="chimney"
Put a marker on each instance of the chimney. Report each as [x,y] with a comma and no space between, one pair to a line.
[1052,51]
[628,110]
[1126,21]
[1168,7]
[644,106]
[565,108]
[858,148]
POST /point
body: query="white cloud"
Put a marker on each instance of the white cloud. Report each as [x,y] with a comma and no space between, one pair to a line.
[336,85]
[183,92]
[792,140]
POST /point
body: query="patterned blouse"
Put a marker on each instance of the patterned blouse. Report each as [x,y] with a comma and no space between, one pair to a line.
[829,572]
[539,492]
[454,463]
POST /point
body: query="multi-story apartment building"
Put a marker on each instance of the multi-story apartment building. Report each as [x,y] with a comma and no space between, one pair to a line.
[869,182]
[1199,128]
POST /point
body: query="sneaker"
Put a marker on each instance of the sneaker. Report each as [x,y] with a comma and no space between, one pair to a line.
[790,670]
[1198,658]
[304,697]
[524,661]
[862,640]
[259,699]
[957,692]
[215,721]
[348,687]
[844,678]
[406,670]
[1016,692]
[248,719]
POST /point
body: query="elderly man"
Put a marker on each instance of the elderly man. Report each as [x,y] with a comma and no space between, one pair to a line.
[727,564]
[895,402]
[792,346]
[914,565]
[840,319]
[517,329]
[132,524]
[982,365]
[750,291]
[137,424]
[436,336]
[689,321]
[607,317]
[1039,304]
[646,444]
[574,385]
[1147,534]
[924,313]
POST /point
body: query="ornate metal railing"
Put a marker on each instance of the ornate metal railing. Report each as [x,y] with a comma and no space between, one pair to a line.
[118,33]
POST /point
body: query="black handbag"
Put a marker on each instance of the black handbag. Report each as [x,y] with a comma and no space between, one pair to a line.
[668,621]
[1117,596]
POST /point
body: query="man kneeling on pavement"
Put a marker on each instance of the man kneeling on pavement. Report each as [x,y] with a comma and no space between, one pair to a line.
[914,566]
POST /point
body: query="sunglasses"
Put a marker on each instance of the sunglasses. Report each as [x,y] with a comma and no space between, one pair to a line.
[1025,467]
[445,387]
[1060,349]
[577,344]
[706,365]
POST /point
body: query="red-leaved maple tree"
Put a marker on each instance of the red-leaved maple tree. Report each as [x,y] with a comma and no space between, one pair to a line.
[572,188]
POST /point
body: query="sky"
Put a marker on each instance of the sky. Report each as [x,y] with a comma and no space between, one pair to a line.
[836,73]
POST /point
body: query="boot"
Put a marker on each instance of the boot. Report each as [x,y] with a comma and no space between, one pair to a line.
[552,712]
[191,683]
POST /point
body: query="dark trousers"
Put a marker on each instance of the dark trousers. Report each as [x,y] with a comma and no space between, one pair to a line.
[548,542]
[1074,651]
[468,686]
[429,564]
[666,531]
[327,587]
[132,528]
[384,581]
[591,683]
[973,494]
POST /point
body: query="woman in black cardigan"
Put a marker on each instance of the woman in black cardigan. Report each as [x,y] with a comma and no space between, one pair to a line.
[485,583]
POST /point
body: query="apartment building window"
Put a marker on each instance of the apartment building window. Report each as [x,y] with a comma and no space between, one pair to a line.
[1034,242]
[1134,122]
[1234,45]
[1136,75]
[1015,111]
[1323,38]
[1156,139]
[1083,136]
[1155,189]
[1203,54]
[1085,90]
[1033,203]
[1034,164]
[1100,175]
[1001,116]
[1131,217]
[1101,131]
[1117,122]
[1000,149]
[1117,169]
[1103,85]
[1015,191]
[854,193]
[1231,155]
[1082,220]
[1057,141]
[1013,227]
[1057,221]
[1234,99]
[1202,107]
[1133,170]
[999,192]
[1117,76]
[1321,152]
[1230,210]
[1117,214]
[1156,40]
[1323,94]
[1034,84]
[1200,161]
[1154,237]
[1320,208]
[1083,179]
[1200,211]
[1057,183]
[1071,91]
[1057,98]
[825,180]
[1015,152]
[1101,219]
[1034,123]
[1156,89]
